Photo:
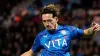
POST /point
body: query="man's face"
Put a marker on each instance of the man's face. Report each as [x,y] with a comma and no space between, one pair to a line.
[49,21]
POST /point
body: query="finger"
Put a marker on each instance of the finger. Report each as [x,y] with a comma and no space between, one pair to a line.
[98,29]
[93,24]
[95,27]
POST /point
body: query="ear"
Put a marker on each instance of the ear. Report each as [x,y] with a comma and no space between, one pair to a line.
[56,19]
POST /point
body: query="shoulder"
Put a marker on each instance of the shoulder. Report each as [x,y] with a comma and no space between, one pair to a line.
[69,27]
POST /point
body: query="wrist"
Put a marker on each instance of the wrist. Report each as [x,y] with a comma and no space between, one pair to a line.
[90,31]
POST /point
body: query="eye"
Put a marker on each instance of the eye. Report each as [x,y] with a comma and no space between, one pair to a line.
[49,20]
[43,20]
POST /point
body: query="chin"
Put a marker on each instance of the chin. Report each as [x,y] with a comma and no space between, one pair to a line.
[50,29]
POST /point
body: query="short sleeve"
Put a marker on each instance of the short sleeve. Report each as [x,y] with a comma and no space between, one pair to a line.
[76,32]
[36,47]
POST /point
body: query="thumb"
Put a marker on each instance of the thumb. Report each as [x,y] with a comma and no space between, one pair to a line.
[93,24]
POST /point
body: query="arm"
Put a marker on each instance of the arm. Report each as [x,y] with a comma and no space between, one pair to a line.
[28,53]
[90,31]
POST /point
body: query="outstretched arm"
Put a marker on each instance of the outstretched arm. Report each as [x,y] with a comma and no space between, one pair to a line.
[90,31]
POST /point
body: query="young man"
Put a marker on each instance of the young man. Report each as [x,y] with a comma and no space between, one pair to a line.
[55,40]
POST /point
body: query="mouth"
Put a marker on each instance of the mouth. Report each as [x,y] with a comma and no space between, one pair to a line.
[48,27]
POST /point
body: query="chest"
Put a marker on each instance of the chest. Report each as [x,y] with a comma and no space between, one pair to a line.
[58,40]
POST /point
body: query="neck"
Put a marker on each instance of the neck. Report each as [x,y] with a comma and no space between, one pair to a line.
[56,26]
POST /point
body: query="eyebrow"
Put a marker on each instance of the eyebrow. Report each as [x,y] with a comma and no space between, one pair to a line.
[47,20]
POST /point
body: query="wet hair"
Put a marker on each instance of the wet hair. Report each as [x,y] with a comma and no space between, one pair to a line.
[52,9]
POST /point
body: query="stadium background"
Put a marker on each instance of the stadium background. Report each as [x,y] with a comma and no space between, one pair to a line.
[20,22]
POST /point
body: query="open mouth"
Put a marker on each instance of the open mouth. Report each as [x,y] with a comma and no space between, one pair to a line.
[48,26]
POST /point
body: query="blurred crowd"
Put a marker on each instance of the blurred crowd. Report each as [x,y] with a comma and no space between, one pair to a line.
[20,22]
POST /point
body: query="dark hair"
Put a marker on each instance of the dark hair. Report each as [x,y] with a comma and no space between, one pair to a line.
[51,8]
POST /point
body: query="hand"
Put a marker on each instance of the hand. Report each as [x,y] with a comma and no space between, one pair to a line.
[28,53]
[95,27]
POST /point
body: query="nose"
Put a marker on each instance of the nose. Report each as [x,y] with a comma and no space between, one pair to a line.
[47,24]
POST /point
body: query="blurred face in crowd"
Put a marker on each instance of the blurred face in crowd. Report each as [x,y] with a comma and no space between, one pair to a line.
[49,21]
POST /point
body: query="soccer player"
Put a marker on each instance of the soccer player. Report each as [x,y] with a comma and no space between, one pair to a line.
[55,40]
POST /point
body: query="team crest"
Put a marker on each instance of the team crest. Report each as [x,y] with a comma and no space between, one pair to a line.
[63,32]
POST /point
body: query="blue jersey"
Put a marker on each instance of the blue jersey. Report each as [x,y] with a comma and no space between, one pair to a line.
[57,43]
